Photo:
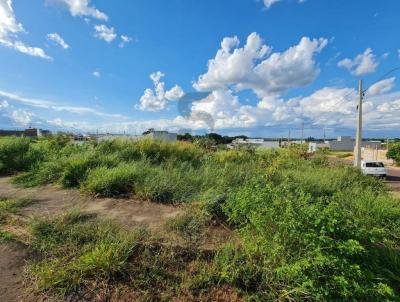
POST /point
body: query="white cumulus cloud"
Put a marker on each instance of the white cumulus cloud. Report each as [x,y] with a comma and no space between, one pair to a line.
[254,66]
[124,40]
[22,117]
[362,64]
[9,30]
[157,99]
[381,87]
[105,33]
[55,37]
[82,8]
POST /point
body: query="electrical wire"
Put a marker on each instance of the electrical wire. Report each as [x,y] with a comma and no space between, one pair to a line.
[382,77]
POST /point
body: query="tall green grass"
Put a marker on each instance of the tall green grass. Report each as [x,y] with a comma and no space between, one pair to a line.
[308,230]
[84,259]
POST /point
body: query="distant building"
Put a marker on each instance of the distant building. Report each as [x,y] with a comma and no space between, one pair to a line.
[346,143]
[11,132]
[313,146]
[164,136]
[255,142]
[375,145]
[343,143]
[105,137]
[30,132]
[292,142]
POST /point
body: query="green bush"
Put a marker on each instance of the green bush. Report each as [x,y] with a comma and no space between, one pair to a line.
[78,166]
[42,174]
[107,182]
[154,151]
[299,246]
[394,152]
[170,183]
[13,152]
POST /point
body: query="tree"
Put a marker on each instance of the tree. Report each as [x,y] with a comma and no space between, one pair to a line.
[394,152]
[185,137]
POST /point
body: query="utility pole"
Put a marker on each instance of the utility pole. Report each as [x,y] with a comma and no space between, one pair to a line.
[357,155]
[288,138]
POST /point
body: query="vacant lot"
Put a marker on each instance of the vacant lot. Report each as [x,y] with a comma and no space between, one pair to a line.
[148,221]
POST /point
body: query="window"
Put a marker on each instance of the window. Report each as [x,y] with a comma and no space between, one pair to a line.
[374,165]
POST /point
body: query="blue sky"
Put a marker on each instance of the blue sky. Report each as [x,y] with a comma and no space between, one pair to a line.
[254,67]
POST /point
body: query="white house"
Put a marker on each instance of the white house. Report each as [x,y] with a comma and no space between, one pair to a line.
[255,142]
[164,136]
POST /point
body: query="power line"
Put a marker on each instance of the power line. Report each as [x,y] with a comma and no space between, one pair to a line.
[382,77]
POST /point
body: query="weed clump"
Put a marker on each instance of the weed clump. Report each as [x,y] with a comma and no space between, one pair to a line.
[108,182]
[83,256]
[299,245]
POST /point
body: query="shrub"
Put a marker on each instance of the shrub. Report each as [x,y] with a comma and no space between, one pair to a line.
[45,173]
[170,183]
[394,152]
[116,181]
[13,151]
[152,150]
[301,247]
[78,166]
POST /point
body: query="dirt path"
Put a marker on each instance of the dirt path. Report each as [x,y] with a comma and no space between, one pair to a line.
[12,261]
[50,200]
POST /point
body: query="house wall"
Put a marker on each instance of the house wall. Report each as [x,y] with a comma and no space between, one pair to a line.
[346,145]
[163,136]
[374,154]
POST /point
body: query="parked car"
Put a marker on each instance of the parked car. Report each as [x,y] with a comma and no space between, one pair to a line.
[374,168]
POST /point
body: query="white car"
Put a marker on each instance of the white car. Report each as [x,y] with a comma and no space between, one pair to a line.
[374,168]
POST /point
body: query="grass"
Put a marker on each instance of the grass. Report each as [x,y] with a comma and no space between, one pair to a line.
[190,225]
[82,255]
[307,230]
[6,237]
[7,207]
[341,154]
[12,206]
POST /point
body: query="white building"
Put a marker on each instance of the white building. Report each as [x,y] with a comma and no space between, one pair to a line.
[164,136]
[255,142]
[346,143]
[343,143]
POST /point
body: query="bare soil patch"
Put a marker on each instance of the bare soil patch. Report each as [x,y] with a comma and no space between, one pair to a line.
[51,200]
[13,257]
